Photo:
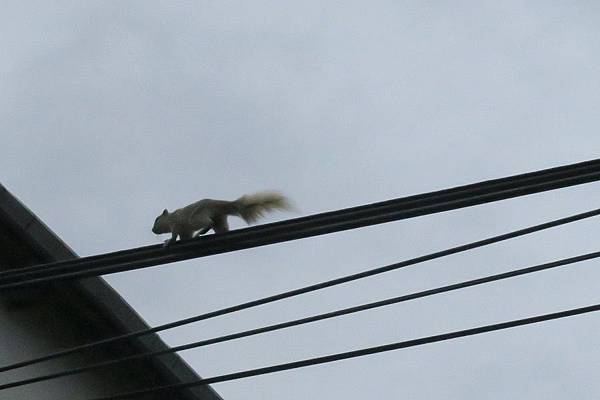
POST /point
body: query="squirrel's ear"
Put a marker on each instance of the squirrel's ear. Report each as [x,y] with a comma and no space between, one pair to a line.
[165,212]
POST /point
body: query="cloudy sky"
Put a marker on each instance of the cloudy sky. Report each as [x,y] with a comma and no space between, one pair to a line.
[112,111]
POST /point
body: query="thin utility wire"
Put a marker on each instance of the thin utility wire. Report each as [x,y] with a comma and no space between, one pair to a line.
[310,288]
[356,353]
[319,224]
[315,318]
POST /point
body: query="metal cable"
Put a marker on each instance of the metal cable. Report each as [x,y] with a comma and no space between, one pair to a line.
[315,318]
[319,224]
[356,353]
[310,288]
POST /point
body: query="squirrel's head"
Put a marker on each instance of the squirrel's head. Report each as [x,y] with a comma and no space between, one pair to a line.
[161,223]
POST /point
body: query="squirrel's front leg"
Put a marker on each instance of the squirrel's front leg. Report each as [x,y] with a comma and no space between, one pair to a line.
[171,240]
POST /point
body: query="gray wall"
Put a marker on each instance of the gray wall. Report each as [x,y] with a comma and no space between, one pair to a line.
[35,330]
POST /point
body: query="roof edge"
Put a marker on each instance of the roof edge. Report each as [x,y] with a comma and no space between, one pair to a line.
[101,295]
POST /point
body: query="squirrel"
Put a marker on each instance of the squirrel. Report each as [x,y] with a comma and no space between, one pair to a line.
[206,214]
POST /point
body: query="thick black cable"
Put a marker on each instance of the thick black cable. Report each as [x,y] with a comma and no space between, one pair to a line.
[356,353]
[552,173]
[307,320]
[248,241]
[319,224]
[50,276]
[310,288]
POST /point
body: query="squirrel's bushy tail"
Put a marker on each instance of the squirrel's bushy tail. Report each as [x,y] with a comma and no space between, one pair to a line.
[251,207]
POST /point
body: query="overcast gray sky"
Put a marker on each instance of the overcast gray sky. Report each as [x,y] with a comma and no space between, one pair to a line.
[112,110]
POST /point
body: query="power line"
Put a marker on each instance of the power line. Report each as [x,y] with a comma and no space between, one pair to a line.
[310,288]
[315,318]
[562,175]
[319,224]
[356,353]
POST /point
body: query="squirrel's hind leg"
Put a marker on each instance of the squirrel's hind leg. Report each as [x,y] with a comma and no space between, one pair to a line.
[221,225]
[203,231]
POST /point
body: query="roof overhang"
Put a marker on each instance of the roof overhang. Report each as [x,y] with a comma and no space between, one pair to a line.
[26,241]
